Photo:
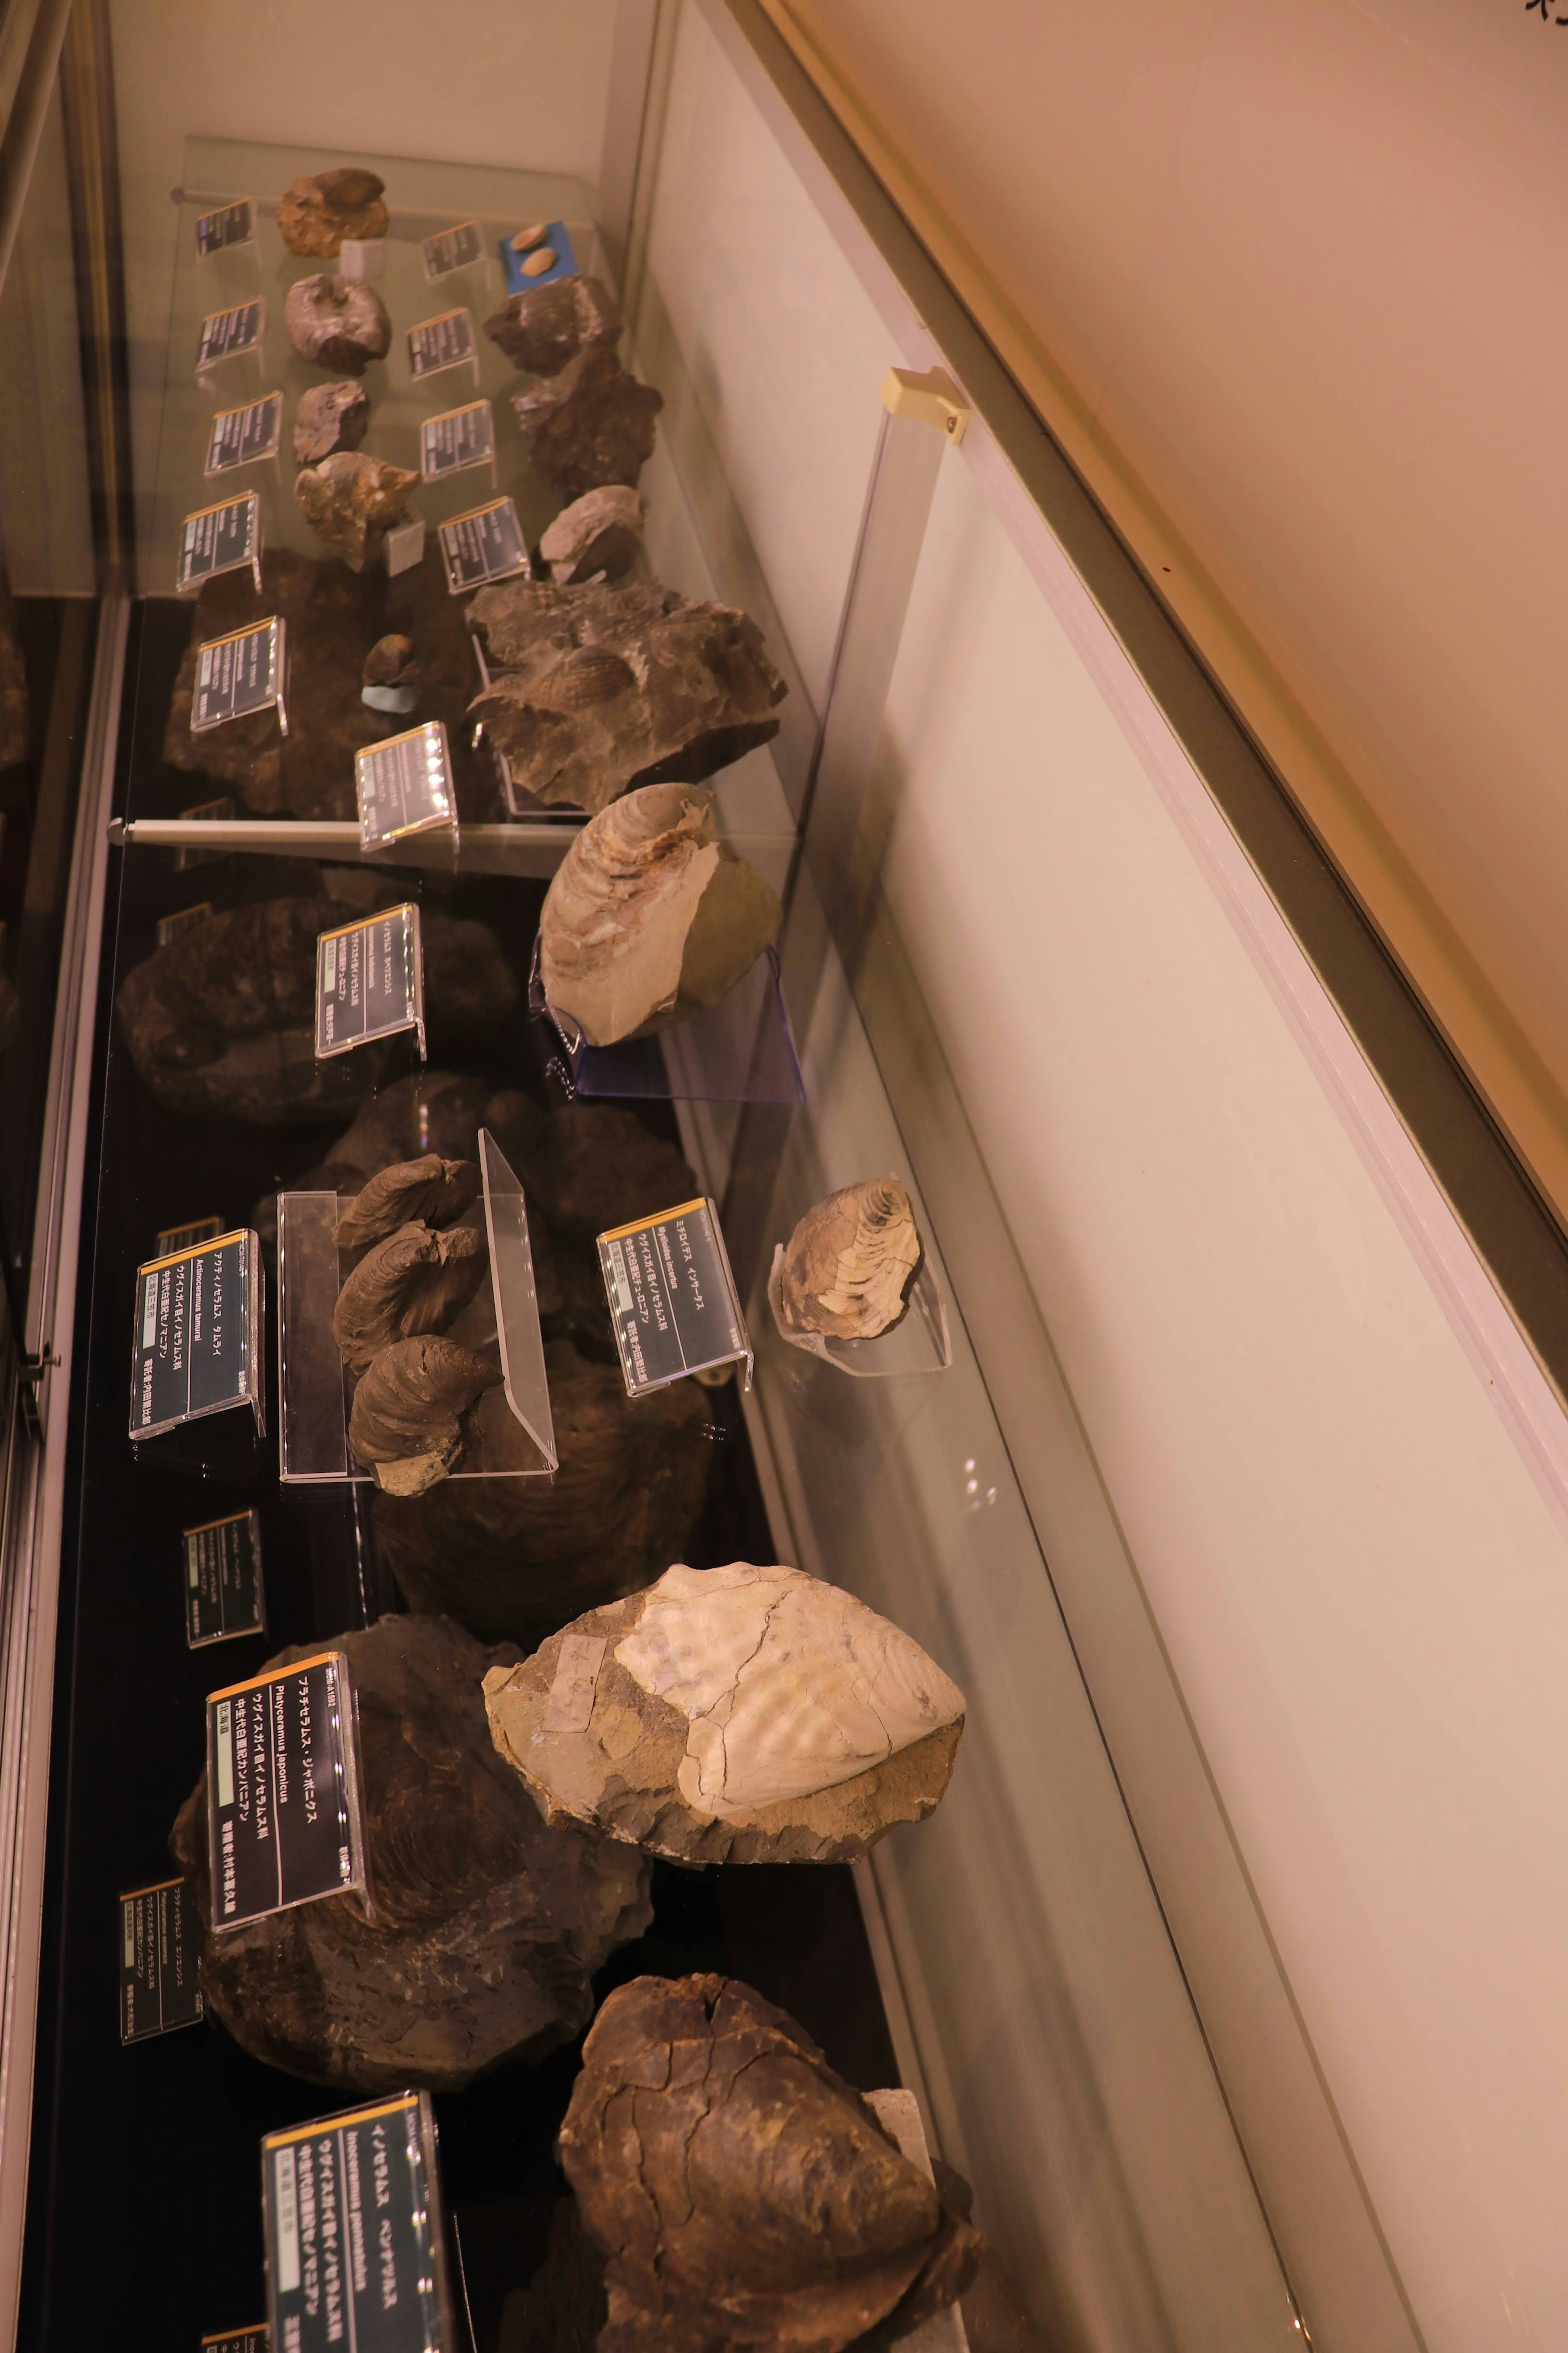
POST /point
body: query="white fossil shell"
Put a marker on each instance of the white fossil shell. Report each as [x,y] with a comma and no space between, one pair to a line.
[787,1685]
[847,1266]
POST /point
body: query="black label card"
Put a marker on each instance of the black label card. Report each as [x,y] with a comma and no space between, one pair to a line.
[355,2250]
[370,981]
[453,249]
[186,858]
[241,436]
[672,1296]
[456,439]
[486,544]
[230,225]
[219,539]
[223,1581]
[238,674]
[171,1239]
[226,333]
[403,785]
[160,1939]
[283,1817]
[171,926]
[441,342]
[198,1338]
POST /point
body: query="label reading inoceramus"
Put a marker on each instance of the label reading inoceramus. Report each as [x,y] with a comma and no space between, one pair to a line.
[198,1335]
[355,2242]
[452,249]
[283,1816]
[241,437]
[239,674]
[672,1297]
[486,544]
[160,1939]
[403,785]
[446,341]
[227,334]
[232,224]
[219,538]
[370,981]
[223,1581]
[457,438]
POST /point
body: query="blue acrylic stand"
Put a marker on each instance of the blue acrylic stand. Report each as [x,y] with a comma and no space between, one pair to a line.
[741,1051]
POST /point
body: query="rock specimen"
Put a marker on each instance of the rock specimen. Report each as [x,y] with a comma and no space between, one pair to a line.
[598,534]
[339,322]
[390,662]
[542,327]
[487,1926]
[329,417]
[736,1715]
[846,1270]
[744,2194]
[316,212]
[413,1283]
[16,720]
[596,689]
[407,1422]
[650,918]
[590,1167]
[591,423]
[430,1191]
[353,501]
[518,1556]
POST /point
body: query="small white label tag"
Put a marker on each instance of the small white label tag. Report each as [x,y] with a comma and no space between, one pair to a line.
[571,1700]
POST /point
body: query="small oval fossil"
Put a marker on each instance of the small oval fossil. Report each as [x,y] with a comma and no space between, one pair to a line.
[848,1266]
[540,261]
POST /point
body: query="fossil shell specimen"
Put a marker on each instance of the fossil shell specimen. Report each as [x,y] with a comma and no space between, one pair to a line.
[329,417]
[589,423]
[352,501]
[650,918]
[316,212]
[486,1926]
[744,2194]
[596,689]
[848,1265]
[339,322]
[601,532]
[542,327]
[413,1281]
[736,1715]
[390,662]
[405,1423]
[543,258]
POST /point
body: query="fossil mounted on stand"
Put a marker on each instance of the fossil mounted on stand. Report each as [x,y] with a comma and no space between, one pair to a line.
[352,501]
[846,1270]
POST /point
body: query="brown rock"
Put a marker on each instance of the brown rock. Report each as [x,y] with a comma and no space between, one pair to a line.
[649,918]
[594,690]
[428,1191]
[744,2194]
[487,1926]
[590,1167]
[390,662]
[542,327]
[353,501]
[15,717]
[738,1714]
[518,1556]
[406,1425]
[316,212]
[590,423]
[413,1282]
[339,322]
[847,1266]
[598,534]
[329,418]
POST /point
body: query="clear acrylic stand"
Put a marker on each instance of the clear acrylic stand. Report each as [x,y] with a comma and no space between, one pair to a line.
[740,1051]
[512,1432]
[918,1341]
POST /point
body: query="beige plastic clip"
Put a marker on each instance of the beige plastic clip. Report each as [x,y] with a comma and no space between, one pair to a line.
[930,399]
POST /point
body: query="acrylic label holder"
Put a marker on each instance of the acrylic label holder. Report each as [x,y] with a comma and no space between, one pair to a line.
[240,674]
[160,1939]
[512,1434]
[230,225]
[741,1050]
[246,436]
[284,1821]
[918,1342]
[672,1297]
[403,785]
[316,2179]
[196,1347]
[224,537]
[370,981]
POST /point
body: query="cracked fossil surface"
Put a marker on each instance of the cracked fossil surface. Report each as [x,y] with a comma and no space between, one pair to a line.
[352,501]
[413,1283]
[487,1926]
[339,322]
[734,1714]
[591,423]
[650,918]
[743,2193]
[329,417]
[594,690]
[846,1269]
[601,532]
[317,211]
[406,1424]
[542,327]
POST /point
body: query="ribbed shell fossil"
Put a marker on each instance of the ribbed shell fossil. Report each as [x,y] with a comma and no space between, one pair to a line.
[737,1715]
[744,2194]
[430,1191]
[316,212]
[848,1265]
[353,501]
[599,533]
[413,1281]
[329,417]
[405,1422]
[339,322]
[650,918]
[542,327]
